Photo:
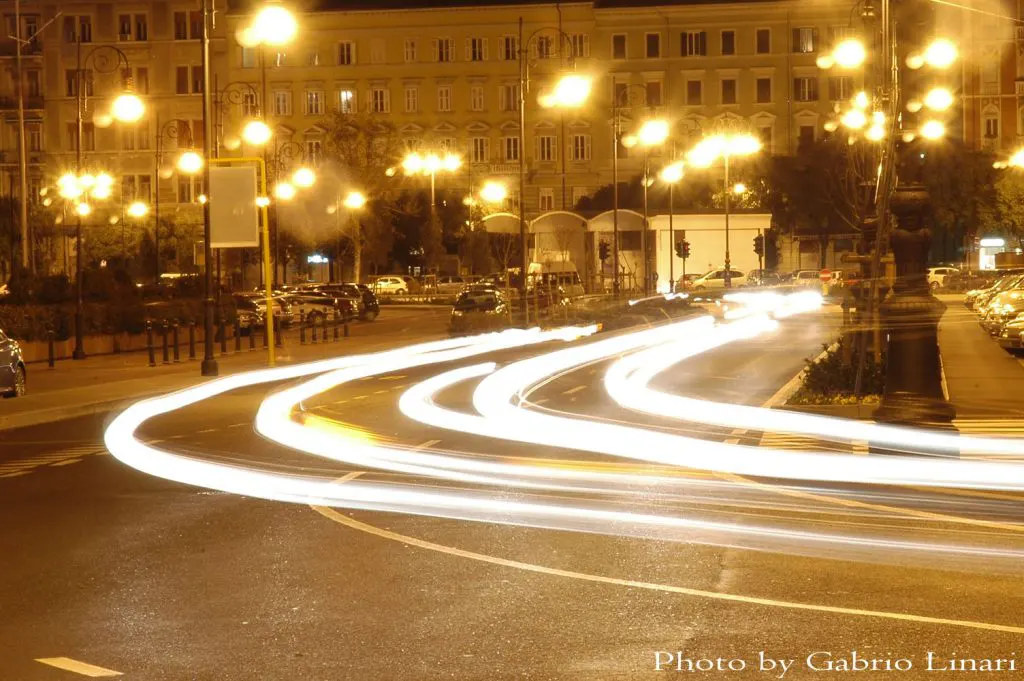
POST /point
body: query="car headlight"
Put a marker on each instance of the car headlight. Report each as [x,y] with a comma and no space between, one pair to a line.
[456,313]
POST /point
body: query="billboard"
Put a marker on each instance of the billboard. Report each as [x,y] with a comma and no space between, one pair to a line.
[234,217]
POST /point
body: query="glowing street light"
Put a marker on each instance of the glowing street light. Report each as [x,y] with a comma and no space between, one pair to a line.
[739,188]
[850,53]
[938,99]
[1017,160]
[494,192]
[127,107]
[303,178]
[138,209]
[933,130]
[273,25]
[256,133]
[190,163]
[83,209]
[861,100]
[672,173]
[571,92]
[100,191]
[855,119]
[653,132]
[284,191]
[354,200]
[941,53]
[431,165]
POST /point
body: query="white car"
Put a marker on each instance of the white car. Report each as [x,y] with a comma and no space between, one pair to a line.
[807,278]
[937,275]
[391,285]
[716,279]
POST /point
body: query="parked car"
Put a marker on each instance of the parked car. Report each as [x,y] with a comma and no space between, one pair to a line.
[390,286]
[937,276]
[13,377]
[479,310]
[249,318]
[715,279]
[449,284]
[283,313]
[806,278]
[313,307]
[1011,332]
[763,278]
[371,306]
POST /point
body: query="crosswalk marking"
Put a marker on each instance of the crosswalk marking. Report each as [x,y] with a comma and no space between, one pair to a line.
[810,444]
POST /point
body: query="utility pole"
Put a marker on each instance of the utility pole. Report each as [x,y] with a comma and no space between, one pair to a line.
[26,259]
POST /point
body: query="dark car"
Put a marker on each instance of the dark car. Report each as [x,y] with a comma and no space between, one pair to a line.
[479,310]
[313,306]
[763,278]
[12,367]
[369,307]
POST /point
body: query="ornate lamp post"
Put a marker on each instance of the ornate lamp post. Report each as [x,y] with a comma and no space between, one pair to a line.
[285,190]
[126,107]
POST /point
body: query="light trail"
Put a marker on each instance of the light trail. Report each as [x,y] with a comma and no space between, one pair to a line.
[498,399]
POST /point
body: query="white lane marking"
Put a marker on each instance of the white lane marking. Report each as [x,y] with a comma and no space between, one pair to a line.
[65,463]
[236,425]
[379,392]
[83,668]
[14,475]
[425,445]
[573,391]
[205,430]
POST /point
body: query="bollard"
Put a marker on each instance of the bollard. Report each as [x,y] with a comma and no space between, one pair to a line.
[312,329]
[252,337]
[278,336]
[163,331]
[49,346]
[177,355]
[192,339]
[335,323]
[302,331]
[223,337]
[149,343]
[323,327]
[238,334]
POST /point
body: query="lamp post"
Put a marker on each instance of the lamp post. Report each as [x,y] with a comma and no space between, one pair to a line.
[656,133]
[671,175]
[430,165]
[127,108]
[724,145]
[570,92]
[188,163]
[653,132]
[285,190]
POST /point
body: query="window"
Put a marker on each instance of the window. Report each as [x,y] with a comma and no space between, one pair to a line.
[85,29]
[142,135]
[580,149]
[31,27]
[380,100]
[580,45]
[652,92]
[580,193]
[477,49]
[619,46]
[248,57]
[444,97]
[141,27]
[840,88]
[728,42]
[764,91]
[444,49]
[282,103]
[181,26]
[509,48]
[412,99]
[77,29]
[510,147]
[805,39]
[481,149]
[346,101]
[124,27]
[763,41]
[378,51]
[653,45]
[547,199]
[314,102]
[409,51]
[346,53]
[544,47]
[250,105]
[195,25]
[189,188]
[476,97]
[620,94]
[88,137]
[547,148]
[806,137]
[508,97]
[128,138]
[181,80]
[693,44]
[991,126]
[314,152]
[765,133]
[446,144]
[694,92]
[197,79]
[35,136]
[70,83]
[805,89]
[837,34]
[33,83]
[70,30]
[313,58]
[728,91]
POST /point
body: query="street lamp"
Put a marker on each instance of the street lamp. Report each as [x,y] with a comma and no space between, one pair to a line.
[126,107]
[570,92]
[724,146]
[282,154]
[303,178]
[431,164]
[493,191]
[652,133]
[256,133]
[190,163]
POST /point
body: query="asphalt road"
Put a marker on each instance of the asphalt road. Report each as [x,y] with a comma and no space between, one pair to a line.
[109,567]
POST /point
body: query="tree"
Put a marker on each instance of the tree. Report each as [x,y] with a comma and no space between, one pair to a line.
[1009,191]
[962,190]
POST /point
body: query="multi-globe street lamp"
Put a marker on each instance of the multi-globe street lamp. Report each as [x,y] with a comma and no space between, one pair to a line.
[125,108]
[652,133]
[725,146]
[284,190]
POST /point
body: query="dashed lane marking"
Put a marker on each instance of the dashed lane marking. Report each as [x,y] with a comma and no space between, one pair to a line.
[83,668]
[573,391]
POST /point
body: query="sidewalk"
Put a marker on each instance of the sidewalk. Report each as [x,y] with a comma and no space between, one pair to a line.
[98,384]
[983,380]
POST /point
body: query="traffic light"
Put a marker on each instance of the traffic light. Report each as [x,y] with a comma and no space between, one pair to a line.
[602,250]
[683,249]
[759,245]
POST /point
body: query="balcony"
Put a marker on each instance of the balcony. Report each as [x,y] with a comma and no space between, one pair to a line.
[31,103]
[504,168]
[8,48]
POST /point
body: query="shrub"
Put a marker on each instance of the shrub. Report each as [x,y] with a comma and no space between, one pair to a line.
[829,380]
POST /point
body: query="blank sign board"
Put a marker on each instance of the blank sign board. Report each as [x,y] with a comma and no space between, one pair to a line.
[234,219]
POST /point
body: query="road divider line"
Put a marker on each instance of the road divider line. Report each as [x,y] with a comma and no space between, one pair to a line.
[573,391]
[83,668]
